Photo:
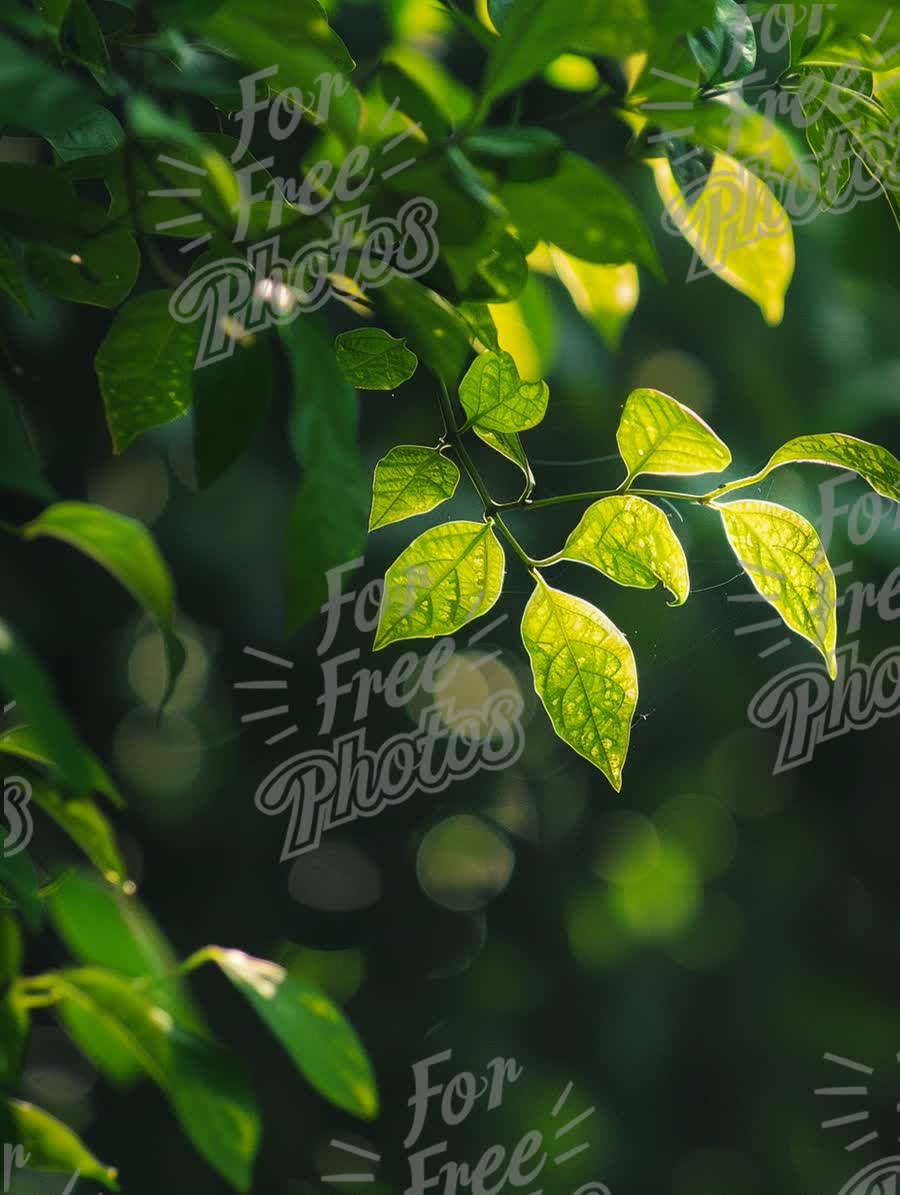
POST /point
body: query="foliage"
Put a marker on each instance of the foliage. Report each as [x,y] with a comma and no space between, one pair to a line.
[134,179]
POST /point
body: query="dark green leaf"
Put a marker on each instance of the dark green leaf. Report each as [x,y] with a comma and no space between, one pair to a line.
[18,469]
[25,742]
[10,275]
[372,360]
[231,400]
[328,521]
[516,153]
[435,331]
[145,366]
[725,49]
[86,825]
[96,132]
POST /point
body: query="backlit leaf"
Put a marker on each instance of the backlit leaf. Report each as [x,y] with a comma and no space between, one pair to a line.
[447,577]
[630,540]
[509,445]
[582,211]
[605,295]
[782,554]
[657,434]
[496,399]
[321,1042]
[874,464]
[410,480]
[737,228]
[373,360]
[585,675]
[82,820]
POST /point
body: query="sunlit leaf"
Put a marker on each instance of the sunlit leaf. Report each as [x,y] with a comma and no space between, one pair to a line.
[447,577]
[319,1039]
[209,1095]
[605,295]
[145,366]
[127,550]
[630,540]
[508,444]
[496,399]
[436,332]
[410,480]
[373,360]
[874,464]
[527,329]
[737,228]
[657,434]
[782,554]
[26,742]
[582,211]
[51,1145]
[585,675]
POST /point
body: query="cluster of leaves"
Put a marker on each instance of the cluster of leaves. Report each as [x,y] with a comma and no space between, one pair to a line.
[126,165]
[583,665]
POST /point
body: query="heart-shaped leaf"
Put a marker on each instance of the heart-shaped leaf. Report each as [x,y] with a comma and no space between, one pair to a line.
[410,480]
[657,434]
[373,360]
[496,399]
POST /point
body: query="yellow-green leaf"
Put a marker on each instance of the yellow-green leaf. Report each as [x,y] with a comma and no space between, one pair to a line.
[737,228]
[658,434]
[50,1145]
[496,399]
[87,826]
[410,480]
[311,1028]
[874,464]
[782,555]
[447,577]
[371,359]
[631,541]
[585,675]
[605,295]
[509,445]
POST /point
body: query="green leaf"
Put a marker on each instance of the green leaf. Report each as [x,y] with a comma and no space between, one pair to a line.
[410,480]
[95,132]
[84,823]
[437,333]
[782,554]
[584,674]
[100,271]
[583,212]
[103,927]
[26,742]
[23,678]
[32,91]
[328,520]
[208,1094]
[11,276]
[231,400]
[20,882]
[726,49]
[447,577]
[515,153]
[657,434]
[737,228]
[509,445]
[373,360]
[496,399]
[314,1032]
[85,31]
[300,42]
[631,541]
[145,366]
[127,550]
[605,295]
[413,101]
[14,1018]
[18,469]
[51,1145]
[874,464]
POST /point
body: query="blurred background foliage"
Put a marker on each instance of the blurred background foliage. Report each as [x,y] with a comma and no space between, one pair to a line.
[684,954]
